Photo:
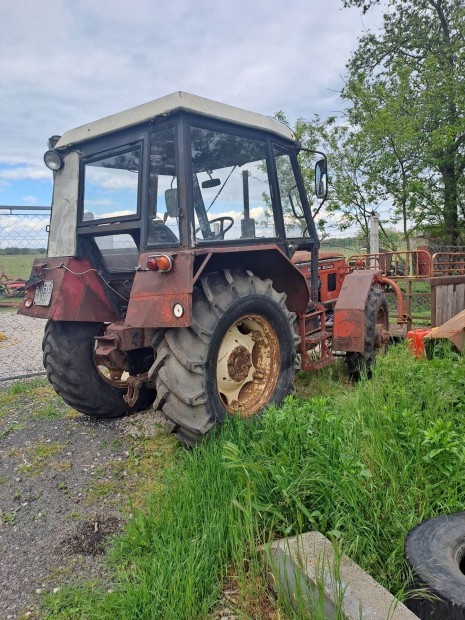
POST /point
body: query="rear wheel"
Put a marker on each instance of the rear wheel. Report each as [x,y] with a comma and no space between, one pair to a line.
[376,335]
[235,359]
[79,377]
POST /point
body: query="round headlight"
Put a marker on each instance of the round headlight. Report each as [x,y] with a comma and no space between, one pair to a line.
[53,160]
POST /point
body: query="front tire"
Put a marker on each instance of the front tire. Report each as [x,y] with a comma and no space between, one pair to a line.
[71,367]
[235,359]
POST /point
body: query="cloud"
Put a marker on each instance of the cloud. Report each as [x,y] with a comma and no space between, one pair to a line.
[91,59]
[22,173]
[30,200]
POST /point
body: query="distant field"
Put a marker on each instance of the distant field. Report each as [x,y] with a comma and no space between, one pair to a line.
[18,266]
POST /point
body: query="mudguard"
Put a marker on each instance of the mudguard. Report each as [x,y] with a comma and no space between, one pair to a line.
[349,312]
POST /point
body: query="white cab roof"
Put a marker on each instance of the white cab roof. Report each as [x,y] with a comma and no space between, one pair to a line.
[166,106]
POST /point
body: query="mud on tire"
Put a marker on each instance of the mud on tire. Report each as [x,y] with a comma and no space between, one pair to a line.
[68,356]
[235,359]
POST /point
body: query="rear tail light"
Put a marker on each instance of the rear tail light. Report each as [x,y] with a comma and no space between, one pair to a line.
[162,262]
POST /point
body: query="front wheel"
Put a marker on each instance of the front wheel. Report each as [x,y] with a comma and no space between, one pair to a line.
[376,335]
[235,359]
[74,372]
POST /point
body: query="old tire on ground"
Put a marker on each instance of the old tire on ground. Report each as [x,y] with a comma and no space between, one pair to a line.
[235,359]
[376,319]
[435,550]
[68,355]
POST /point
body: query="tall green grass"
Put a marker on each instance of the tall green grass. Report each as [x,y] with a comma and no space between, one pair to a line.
[363,467]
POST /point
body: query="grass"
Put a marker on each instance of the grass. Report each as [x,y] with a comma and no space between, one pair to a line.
[363,465]
[19,265]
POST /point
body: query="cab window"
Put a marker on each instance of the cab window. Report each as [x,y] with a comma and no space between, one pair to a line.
[111,187]
[231,189]
[163,225]
[293,213]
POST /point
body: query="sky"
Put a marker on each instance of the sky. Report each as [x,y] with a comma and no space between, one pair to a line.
[64,63]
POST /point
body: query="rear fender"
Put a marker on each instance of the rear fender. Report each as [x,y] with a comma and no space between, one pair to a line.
[349,312]
[165,299]
[264,262]
[78,293]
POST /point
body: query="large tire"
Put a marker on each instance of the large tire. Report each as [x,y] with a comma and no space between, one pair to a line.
[376,317]
[68,355]
[435,551]
[235,359]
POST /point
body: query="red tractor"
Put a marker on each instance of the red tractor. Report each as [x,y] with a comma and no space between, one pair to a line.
[183,271]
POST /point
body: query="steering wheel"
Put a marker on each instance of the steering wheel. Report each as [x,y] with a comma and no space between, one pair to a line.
[223,230]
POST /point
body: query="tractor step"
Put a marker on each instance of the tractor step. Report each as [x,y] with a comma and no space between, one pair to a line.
[317,337]
[323,362]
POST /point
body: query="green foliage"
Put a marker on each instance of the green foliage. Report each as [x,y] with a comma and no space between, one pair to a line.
[407,87]
[363,466]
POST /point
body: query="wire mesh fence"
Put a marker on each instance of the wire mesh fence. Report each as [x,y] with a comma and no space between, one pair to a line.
[23,237]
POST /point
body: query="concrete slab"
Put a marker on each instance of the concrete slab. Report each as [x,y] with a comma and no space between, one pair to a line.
[307,570]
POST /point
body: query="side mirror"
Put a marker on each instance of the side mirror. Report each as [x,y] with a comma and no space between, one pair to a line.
[321,179]
[171,201]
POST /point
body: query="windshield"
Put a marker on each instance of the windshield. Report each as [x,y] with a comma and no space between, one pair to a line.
[231,188]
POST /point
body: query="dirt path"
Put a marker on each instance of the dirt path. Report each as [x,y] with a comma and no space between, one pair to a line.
[65,483]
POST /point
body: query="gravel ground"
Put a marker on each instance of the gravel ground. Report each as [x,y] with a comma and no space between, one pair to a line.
[63,490]
[20,344]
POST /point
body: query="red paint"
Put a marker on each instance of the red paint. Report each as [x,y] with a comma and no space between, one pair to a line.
[78,293]
[415,342]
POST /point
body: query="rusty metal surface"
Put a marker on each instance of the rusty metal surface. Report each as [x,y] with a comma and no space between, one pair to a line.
[402,316]
[134,385]
[448,263]
[154,294]
[78,294]
[314,337]
[248,365]
[127,338]
[411,264]
[355,290]
[453,330]
[265,261]
[239,363]
[349,312]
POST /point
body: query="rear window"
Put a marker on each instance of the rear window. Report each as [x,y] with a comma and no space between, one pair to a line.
[111,187]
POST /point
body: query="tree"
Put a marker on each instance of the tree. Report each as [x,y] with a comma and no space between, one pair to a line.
[381,112]
[355,193]
[425,41]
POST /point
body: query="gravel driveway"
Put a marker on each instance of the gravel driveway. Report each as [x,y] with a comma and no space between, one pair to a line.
[65,483]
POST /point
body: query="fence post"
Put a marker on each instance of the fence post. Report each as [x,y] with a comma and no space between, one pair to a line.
[374,238]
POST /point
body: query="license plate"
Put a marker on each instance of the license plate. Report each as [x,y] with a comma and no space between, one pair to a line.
[43,293]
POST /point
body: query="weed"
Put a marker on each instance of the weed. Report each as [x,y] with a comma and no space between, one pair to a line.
[43,451]
[10,429]
[362,465]
[48,412]
[8,517]
[61,466]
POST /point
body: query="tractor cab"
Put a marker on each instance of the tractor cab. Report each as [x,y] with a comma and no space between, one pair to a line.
[179,174]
